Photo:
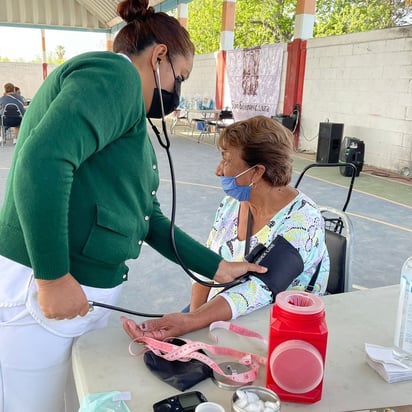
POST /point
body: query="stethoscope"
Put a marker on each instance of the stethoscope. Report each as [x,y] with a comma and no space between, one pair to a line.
[165,143]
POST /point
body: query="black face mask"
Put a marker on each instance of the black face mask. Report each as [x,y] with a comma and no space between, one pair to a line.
[170,102]
[164,99]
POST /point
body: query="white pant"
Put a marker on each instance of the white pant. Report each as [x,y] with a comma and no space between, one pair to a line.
[35,352]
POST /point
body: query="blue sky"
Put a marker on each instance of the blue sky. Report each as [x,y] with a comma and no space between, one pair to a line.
[25,44]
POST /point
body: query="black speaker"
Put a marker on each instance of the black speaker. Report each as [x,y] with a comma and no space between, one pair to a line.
[329,140]
[352,151]
[291,121]
[287,121]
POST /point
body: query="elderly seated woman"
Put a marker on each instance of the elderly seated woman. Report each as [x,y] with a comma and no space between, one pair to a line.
[260,206]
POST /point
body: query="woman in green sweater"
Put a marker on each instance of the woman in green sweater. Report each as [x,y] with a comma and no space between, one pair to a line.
[68,223]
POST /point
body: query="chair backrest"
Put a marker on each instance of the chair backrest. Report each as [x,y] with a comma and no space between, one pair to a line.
[339,232]
[350,166]
[11,115]
[12,110]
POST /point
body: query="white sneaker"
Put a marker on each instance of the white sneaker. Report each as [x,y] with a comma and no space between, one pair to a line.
[14,141]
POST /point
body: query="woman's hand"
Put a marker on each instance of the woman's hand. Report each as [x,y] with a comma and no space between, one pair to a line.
[229,271]
[178,324]
[171,325]
[62,298]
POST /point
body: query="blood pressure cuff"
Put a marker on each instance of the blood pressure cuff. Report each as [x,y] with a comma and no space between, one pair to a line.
[283,261]
[180,375]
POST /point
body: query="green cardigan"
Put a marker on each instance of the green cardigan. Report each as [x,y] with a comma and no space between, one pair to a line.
[81,192]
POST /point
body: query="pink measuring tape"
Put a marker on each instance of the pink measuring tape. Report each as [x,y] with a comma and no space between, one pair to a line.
[190,350]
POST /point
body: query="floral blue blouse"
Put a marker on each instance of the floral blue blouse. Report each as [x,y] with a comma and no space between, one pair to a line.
[299,222]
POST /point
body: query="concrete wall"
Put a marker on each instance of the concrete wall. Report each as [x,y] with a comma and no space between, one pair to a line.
[202,80]
[363,80]
[27,76]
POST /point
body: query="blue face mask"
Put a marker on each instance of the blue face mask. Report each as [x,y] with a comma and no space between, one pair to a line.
[232,189]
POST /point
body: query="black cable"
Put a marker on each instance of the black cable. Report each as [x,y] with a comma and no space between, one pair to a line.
[296,112]
[166,145]
[119,309]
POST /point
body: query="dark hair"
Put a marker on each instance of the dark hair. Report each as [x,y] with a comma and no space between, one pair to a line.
[262,141]
[145,27]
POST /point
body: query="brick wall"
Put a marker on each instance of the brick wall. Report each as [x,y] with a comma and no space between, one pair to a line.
[363,80]
[202,80]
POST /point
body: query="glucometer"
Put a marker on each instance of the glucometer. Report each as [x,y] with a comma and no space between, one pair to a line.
[183,402]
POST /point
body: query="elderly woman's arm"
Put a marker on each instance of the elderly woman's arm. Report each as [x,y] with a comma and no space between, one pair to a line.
[177,324]
[199,296]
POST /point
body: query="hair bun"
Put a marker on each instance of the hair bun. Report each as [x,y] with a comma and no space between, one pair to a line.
[130,10]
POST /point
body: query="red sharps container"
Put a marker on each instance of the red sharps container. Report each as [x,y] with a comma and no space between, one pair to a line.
[297,347]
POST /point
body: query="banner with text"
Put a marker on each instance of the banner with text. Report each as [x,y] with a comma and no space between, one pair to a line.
[253,77]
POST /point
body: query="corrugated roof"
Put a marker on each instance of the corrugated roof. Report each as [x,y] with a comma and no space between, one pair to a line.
[93,15]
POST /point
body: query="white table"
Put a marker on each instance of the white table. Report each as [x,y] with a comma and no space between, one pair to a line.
[203,113]
[203,116]
[190,117]
[102,363]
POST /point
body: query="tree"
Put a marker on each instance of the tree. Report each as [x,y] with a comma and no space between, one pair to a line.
[56,57]
[335,17]
[261,22]
[60,52]
[204,24]
[402,12]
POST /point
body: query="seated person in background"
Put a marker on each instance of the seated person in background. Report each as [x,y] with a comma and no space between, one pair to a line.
[17,94]
[14,120]
[256,170]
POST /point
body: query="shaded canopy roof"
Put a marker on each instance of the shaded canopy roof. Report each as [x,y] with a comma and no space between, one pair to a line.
[88,15]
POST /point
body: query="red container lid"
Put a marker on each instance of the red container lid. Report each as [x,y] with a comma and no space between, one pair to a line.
[296,366]
[303,303]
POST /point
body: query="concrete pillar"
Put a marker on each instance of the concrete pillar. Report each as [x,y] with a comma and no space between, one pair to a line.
[220,78]
[44,57]
[182,14]
[228,25]
[304,19]
[295,70]
[226,43]
[109,41]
